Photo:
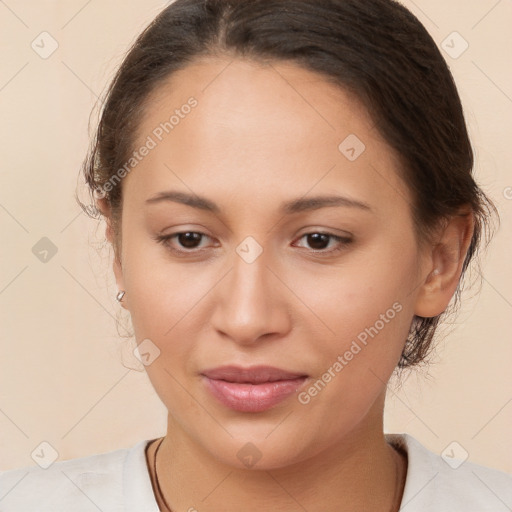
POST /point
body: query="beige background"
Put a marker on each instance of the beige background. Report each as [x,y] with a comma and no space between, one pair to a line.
[61,374]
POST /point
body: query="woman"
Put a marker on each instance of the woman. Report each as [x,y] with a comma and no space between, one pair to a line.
[288,190]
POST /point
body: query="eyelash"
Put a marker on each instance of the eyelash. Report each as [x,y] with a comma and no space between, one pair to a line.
[343,242]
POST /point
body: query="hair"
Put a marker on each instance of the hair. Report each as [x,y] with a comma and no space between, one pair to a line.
[376,50]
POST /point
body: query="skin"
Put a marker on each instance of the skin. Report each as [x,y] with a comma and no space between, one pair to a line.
[261,135]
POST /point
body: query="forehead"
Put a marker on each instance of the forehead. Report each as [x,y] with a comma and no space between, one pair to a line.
[257,97]
[262,127]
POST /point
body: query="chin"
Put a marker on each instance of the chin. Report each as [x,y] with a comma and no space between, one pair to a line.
[257,450]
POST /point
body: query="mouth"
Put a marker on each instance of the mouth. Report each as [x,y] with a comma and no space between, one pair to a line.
[254,389]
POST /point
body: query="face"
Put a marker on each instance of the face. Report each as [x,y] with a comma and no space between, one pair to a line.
[259,272]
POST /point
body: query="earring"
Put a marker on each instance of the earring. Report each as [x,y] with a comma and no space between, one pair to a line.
[120,295]
[435,272]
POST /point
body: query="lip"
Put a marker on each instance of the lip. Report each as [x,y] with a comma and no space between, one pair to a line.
[253,389]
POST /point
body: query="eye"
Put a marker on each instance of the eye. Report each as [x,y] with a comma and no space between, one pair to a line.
[187,240]
[319,241]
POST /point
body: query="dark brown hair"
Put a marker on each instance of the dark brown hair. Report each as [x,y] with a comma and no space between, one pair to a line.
[375,49]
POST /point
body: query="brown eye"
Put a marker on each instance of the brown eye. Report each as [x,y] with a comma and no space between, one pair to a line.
[319,242]
[182,242]
[188,239]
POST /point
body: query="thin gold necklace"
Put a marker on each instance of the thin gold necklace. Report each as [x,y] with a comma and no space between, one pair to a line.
[394,507]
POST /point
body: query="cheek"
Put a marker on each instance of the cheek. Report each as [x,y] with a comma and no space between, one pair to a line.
[160,292]
[165,307]
[359,352]
[366,309]
[369,313]
[349,300]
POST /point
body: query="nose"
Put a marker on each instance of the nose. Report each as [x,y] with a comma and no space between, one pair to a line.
[250,303]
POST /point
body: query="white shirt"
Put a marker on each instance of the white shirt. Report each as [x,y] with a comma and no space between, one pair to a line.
[119,481]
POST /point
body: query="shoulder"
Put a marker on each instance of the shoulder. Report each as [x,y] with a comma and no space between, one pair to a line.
[98,482]
[445,483]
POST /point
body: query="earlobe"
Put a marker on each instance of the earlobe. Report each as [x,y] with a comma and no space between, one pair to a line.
[429,301]
[118,272]
[445,266]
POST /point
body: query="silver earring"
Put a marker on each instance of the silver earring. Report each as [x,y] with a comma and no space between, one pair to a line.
[435,272]
[120,295]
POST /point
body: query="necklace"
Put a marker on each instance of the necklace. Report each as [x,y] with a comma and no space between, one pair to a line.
[394,506]
[158,490]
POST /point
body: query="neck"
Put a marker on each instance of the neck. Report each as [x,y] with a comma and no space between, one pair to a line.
[360,472]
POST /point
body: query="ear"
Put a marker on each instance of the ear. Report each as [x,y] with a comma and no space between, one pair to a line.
[104,208]
[444,265]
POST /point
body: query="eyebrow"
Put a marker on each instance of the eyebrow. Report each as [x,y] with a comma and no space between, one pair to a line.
[287,208]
